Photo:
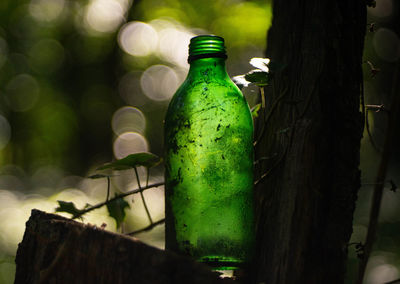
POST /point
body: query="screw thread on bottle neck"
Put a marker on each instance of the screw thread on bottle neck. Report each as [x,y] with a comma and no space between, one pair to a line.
[206,46]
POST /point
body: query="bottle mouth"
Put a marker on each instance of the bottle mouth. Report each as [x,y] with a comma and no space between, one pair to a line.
[205,46]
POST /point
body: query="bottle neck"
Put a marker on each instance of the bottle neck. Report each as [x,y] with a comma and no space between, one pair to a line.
[208,68]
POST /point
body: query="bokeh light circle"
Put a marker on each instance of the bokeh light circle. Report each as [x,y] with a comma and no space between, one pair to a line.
[46,56]
[104,15]
[22,92]
[129,143]
[46,10]
[8,199]
[387,44]
[128,119]
[138,38]
[382,274]
[3,51]
[383,8]
[12,182]
[5,132]
[173,45]
[159,82]
[130,90]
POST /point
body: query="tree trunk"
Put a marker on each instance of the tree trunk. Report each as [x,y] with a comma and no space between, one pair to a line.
[58,250]
[309,150]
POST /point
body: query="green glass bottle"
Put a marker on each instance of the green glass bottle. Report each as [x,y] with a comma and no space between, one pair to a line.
[209,163]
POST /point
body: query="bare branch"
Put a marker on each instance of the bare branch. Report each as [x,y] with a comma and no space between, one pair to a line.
[117,197]
[148,228]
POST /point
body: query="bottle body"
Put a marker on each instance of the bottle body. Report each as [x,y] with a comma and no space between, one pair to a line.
[209,168]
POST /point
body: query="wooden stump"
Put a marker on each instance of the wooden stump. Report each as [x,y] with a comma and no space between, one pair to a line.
[59,250]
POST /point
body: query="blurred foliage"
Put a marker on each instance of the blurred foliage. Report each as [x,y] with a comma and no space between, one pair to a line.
[61,66]
[78,89]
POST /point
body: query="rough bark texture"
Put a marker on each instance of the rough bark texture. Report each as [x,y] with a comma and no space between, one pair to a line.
[58,250]
[311,143]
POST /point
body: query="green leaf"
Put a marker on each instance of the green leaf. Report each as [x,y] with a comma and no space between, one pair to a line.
[255,109]
[240,81]
[116,210]
[68,207]
[145,159]
[257,77]
[260,63]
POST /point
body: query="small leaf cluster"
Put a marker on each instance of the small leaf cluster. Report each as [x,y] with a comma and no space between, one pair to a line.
[258,76]
[117,205]
[69,207]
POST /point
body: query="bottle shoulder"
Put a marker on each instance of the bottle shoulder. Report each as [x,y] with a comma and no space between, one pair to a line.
[207,92]
[208,99]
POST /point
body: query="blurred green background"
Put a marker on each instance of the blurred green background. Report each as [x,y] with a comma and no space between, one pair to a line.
[86,82]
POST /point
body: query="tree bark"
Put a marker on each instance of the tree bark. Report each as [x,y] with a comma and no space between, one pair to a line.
[308,174]
[58,250]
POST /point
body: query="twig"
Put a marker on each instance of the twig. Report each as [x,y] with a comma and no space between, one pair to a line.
[373,70]
[365,115]
[371,27]
[265,158]
[377,108]
[117,197]
[380,178]
[142,196]
[262,97]
[148,228]
[371,139]
[308,102]
[267,173]
[147,177]
[108,188]
[273,107]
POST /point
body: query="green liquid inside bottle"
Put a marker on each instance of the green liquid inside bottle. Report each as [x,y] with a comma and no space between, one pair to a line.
[209,163]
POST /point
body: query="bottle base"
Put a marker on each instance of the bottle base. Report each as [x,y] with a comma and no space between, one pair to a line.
[221,263]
